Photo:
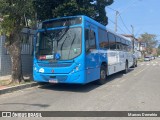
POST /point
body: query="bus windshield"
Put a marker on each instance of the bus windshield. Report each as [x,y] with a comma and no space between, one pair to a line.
[59,44]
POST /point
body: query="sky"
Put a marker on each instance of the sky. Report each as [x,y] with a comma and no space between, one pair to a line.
[143,15]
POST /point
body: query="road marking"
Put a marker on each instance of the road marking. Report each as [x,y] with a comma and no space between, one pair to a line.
[140,71]
[142,64]
[154,64]
[148,64]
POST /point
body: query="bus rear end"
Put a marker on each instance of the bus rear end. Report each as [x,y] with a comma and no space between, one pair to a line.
[59,52]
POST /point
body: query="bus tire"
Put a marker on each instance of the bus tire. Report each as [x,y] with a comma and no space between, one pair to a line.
[136,65]
[103,75]
[125,71]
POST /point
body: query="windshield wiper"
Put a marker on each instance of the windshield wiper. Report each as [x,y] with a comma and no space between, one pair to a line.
[72,44]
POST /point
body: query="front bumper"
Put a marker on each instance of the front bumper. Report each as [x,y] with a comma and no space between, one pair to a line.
[77,77]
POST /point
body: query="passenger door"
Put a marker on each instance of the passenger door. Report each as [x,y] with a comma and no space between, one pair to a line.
[92,57]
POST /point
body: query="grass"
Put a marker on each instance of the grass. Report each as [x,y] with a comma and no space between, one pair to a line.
[4,82]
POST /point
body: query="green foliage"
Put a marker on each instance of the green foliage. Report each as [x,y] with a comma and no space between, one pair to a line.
[47,9]
[100,8]
[16,15]
[7,25]
[73,7]
[44,8]
[150,40]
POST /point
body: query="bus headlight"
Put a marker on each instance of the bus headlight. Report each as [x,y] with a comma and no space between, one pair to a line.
[76,68]
[41,70]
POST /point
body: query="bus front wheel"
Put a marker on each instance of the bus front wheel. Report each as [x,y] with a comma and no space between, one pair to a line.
[103,74]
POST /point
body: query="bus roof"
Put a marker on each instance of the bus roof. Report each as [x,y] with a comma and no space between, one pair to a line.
[90,20]
[104,27]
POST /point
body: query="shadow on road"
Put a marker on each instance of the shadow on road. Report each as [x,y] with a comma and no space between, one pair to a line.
[81,88]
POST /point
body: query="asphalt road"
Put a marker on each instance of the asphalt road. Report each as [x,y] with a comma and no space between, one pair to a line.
[138,90]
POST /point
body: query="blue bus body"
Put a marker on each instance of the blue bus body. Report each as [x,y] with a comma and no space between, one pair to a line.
[77,66]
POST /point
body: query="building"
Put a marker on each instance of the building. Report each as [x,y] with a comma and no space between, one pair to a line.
[136,44]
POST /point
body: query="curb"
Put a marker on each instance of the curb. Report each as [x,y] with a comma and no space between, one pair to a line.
[16,88]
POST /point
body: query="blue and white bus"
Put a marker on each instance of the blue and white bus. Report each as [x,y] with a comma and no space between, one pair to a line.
[79,50]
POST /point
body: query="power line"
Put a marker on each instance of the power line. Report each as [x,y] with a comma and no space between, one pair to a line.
[124,24]
[123,21]
[117,13]
[130,5]
[118,26]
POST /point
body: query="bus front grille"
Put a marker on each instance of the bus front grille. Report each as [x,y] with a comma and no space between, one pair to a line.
[54,65]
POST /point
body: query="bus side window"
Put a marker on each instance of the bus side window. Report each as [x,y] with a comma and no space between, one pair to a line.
[112,41]
[103,39]
[118,43]
[118,46]
[90,39]
[87,39]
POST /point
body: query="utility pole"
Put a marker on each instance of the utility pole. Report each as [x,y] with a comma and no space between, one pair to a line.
[133,37]
[116,20]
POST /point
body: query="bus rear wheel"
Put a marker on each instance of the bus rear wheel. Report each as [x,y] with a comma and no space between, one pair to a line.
[126,68]
[136,65]
[103,75]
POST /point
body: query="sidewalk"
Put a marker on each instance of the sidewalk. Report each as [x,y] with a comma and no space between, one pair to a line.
[8,89]
[3,78]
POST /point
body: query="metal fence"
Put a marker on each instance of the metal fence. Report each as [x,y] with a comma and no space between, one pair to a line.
[26,53]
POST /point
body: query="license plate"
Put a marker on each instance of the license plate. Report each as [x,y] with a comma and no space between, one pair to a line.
[53,81]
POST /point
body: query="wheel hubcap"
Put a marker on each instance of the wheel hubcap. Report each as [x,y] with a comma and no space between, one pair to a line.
[126,68]
[103,74]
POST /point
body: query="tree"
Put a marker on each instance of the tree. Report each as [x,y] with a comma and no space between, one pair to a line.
[16,15]
[101,17]
[150,40]
[44,8]
[47,9]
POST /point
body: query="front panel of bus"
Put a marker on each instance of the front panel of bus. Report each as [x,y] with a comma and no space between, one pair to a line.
[59,51]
